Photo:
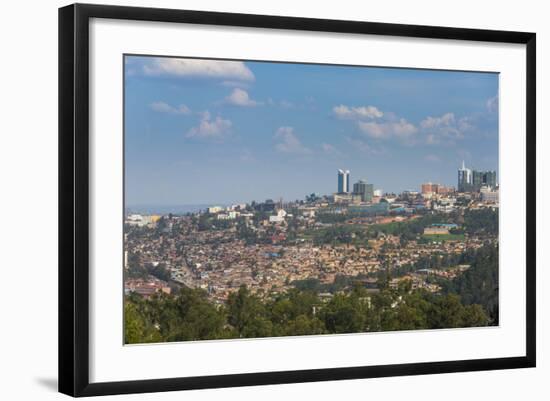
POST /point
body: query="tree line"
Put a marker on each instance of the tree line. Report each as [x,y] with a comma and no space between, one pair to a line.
[480,283]
[190,315]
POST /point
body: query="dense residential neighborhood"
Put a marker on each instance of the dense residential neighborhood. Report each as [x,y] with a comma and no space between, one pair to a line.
[327,245]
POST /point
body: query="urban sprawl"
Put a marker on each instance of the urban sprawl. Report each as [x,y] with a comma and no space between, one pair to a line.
[358,234]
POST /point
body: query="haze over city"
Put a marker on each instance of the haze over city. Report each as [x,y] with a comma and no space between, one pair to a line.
[221,132]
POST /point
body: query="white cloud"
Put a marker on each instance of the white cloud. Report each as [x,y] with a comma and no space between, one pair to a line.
[289,142]
[492,104]
[445,129]
[377,124]
[364,147]
[446,119]
[221,69]
[163,107]
[362,112]
[239,97]
[209,128]
[401,129]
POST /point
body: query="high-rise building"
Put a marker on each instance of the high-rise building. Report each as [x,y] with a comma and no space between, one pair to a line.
[364,190]
[484,179]
[343,181]
[491,179]
[464,179]
[473,180]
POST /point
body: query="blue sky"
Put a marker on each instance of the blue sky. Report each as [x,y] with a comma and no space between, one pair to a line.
[218,132]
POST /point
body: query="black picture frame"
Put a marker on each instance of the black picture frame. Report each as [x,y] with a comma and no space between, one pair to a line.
[74,198]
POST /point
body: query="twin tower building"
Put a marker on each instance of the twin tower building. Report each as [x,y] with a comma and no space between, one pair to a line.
[360,188]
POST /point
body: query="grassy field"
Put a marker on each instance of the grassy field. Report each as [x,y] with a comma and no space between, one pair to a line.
[443,237]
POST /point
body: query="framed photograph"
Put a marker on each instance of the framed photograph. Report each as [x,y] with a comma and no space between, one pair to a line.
[251,199]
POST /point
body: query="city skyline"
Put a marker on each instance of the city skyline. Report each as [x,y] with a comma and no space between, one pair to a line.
[253,130]
[343,186]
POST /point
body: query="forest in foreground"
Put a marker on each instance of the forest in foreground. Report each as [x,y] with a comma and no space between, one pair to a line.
[469,300]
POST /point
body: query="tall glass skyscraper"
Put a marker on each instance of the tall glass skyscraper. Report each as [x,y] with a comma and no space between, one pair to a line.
[464,179]
[484,179]
[343,181]
[473,180]
[363,189]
